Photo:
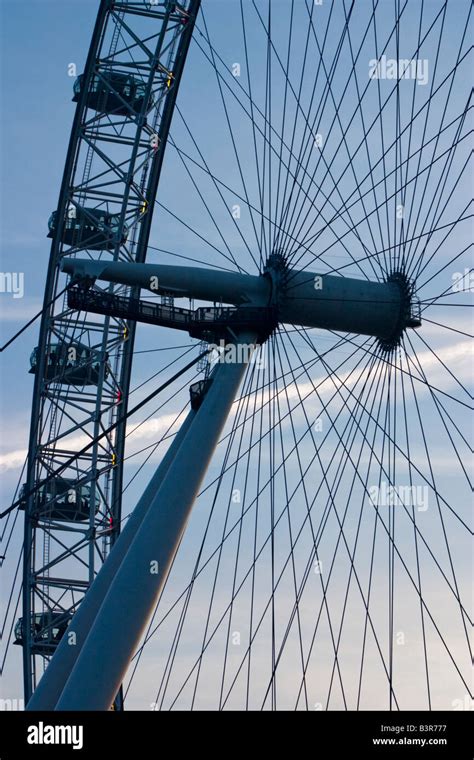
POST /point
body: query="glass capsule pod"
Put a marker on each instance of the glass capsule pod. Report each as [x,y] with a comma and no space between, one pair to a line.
[70,364]
[114,93]
[47,630]
[60,499]
[92,228]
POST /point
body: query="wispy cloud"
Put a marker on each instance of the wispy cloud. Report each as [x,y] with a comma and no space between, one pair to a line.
[457,357]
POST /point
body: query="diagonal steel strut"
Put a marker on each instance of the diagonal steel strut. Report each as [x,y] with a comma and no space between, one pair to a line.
[138,581]
[52,683]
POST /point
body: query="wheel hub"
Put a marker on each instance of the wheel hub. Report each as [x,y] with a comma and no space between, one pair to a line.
[409,313]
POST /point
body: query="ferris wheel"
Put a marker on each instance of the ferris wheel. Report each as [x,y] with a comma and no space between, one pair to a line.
[302,536]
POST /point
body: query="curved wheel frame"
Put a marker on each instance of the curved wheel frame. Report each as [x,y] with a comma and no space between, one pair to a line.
[114,163]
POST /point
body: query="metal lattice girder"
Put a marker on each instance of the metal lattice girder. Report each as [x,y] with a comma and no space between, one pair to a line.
[110,180]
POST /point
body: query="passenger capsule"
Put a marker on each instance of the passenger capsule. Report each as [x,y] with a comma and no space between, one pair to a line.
[92,228]
[114,93]
[60,499]
[47,630]
[71,364]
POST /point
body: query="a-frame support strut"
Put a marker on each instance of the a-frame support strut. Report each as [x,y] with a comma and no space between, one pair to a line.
[53,681]
[137,582]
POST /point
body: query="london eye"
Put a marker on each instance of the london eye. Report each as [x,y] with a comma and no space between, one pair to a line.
[247,482]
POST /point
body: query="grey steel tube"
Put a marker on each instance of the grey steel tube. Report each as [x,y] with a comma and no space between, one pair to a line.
[324,301]
[106,653]
[341,303]
[181,282]
[52,683]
